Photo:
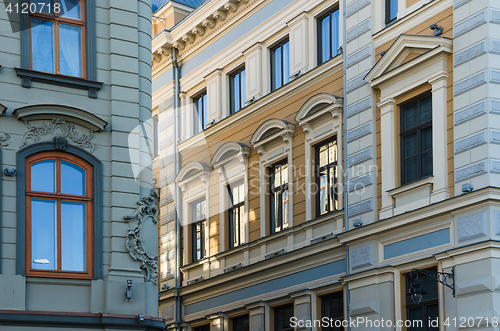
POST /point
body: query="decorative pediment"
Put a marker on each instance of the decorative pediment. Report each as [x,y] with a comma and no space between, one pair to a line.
[318,105]
[66,113]
[408,51]
[193,170]
[270,129]
[229,150]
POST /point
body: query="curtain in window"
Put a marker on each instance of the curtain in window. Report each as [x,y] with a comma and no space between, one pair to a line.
[42,45]
[70,50]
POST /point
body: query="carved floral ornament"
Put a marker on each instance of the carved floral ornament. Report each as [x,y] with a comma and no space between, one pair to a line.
[60,129]
[146,211]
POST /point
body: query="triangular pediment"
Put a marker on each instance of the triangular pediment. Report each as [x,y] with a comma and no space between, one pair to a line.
[408,50]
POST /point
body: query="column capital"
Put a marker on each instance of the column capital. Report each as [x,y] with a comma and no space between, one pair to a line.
[386,105]
[439,81]
[256,305]
[299,18]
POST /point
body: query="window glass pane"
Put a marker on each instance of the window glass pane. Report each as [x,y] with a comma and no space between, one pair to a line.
[410,145]
[277,68]
[410,170]
[70,50]
[275,225]
[393,9]
[325,39]
[332,307]
[282,316]
[241,323]
[284,174]
[70,9]
[426,139]
[44,6]
[416,314]
[42,45]
[410,116]
[43,176]
[426,109]
[205,117]
[43,234]
[331,189]
[243,96]
[235,232]
[323,155]
[277,176]
[241,221]
[332,152]
[73,248]
[432,315]
[286,62]
[237,101]
[284,205]
[72,179]
[323,178]
[335,32]
[426,160]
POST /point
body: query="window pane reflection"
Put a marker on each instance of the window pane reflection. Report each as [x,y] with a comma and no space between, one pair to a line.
[72,179]
[43,234]
[73,251]
[43,176]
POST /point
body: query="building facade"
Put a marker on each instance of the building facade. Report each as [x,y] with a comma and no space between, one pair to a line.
[254,134]
[78,226]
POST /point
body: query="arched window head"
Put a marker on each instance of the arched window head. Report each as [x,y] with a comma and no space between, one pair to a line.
[59,219]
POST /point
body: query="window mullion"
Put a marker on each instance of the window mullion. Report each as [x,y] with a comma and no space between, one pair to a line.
[58,235]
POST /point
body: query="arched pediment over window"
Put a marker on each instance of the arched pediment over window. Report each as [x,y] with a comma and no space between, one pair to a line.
[230,149]
[192,170]
[271,127]
[70,114]
[316,103]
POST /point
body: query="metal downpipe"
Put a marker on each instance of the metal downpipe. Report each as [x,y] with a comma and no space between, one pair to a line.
[344,140]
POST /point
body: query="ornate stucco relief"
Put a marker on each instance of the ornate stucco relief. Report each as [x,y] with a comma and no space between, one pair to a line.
[61,129]
[146,211]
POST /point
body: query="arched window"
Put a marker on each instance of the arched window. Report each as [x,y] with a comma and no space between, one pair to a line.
[59,214]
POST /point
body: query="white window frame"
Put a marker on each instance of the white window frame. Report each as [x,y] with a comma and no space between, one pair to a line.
[193,179]
[230,161]
[320,117]
[272,149]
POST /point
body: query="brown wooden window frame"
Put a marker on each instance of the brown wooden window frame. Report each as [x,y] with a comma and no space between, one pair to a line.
[58,196]
[327,167]
[241,217]
[277,221]
[54,17]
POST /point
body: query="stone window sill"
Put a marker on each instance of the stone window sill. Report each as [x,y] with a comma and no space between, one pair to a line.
[28,76]
[427,181]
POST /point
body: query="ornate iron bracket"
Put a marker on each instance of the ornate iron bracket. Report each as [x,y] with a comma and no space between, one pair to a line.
[447,279]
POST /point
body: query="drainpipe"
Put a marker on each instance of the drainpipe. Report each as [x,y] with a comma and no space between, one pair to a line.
[178,303]
[346,172]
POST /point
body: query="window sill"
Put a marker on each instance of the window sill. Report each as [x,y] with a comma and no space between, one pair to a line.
[28,76]
[426,181]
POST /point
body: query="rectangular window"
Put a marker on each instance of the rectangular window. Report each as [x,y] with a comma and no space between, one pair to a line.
[236,213]
[282,316]
[198,229]
[238,90]
[391,11]
[57,37]
[332,307]
[241,323]
[420,313]
[200,105]
[416,140]
[280,66]
[279,196]
[156,136]
[326,177]
[328,36]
